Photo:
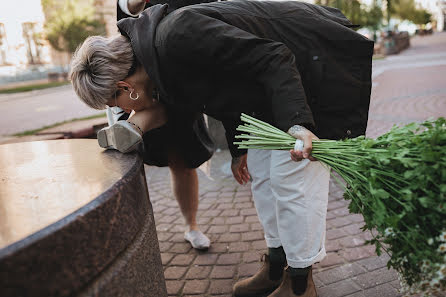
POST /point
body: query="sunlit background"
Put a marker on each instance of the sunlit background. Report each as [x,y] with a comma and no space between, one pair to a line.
[24,33]
[24,42]
[38,38]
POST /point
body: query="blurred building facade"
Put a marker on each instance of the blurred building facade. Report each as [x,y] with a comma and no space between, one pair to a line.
[107,10]
[438,10]
[21,34]
[441,8]
[22,38]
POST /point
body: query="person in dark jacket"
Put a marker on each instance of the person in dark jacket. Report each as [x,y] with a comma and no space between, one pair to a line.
[158,149]
[295,65]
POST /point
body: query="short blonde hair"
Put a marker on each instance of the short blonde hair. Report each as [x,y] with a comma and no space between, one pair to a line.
[97,65]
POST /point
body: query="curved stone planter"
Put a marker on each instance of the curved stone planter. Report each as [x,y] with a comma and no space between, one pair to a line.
[76,220]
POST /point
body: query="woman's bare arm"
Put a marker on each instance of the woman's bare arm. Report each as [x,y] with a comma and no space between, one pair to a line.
[148,119]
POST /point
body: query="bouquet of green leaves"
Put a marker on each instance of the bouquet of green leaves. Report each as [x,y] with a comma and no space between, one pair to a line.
[397,182]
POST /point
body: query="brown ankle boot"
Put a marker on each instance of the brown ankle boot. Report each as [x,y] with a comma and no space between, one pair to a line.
[260,283]
[286,287]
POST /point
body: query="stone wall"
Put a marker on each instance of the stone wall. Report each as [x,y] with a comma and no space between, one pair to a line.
[393,43]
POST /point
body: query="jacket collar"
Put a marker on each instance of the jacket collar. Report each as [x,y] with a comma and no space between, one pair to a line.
[141,32]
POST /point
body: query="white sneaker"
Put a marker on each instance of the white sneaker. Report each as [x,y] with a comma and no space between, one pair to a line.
[197,239]
[121,136]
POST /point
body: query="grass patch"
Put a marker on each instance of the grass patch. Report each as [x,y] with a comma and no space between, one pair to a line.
[35,131]
[378,57]
[33,87]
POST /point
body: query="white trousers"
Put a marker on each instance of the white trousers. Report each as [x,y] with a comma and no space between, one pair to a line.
[291,201]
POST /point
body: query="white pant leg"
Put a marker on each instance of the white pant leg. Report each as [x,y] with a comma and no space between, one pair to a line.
[301,193]
[259,163]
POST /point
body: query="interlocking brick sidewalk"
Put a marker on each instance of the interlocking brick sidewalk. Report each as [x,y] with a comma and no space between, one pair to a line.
[411,88]
[227,215]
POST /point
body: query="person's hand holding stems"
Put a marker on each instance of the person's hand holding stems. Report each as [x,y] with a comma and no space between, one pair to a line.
[302,133]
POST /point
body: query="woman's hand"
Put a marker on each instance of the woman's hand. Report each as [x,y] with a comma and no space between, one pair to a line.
[239,169]
[136,6]
[302,133]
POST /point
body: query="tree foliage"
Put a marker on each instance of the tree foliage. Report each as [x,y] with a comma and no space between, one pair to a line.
[365,16]
[408,10]
[70,22]
[422,17]
[372,16]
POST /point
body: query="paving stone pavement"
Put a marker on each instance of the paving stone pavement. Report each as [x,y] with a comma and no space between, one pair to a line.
[227,214]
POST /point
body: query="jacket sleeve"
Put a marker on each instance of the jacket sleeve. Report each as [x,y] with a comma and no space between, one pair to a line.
[213,44]
[230,125]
